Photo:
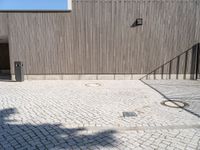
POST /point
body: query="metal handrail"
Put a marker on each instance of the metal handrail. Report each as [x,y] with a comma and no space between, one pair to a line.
[194,66]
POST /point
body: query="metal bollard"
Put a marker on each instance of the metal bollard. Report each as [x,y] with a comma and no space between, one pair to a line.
[19,71]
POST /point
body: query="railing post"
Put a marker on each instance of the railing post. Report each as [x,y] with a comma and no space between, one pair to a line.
[197,61]
[170,69]
[154,75]
[185,65]
[177,67]
[162,71]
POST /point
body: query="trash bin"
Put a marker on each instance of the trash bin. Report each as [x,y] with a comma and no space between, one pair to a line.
[19,71]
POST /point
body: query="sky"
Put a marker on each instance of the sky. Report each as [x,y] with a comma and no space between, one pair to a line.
[23,5]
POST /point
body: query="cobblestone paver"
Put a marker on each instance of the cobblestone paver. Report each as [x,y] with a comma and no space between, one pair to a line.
[69,115]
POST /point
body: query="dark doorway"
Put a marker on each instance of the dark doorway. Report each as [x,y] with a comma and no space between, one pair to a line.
[4,62]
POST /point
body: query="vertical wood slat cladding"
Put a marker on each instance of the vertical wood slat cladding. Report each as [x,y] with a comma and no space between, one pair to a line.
[97,37]
[197,35]
[3,25]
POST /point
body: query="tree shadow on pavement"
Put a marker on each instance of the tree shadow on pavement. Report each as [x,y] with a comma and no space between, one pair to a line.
[49,136]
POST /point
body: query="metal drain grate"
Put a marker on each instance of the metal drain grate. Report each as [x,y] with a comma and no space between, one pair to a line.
[93,84]
[129,114]
[174,104]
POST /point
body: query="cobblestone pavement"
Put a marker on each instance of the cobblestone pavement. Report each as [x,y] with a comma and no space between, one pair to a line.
[69,115]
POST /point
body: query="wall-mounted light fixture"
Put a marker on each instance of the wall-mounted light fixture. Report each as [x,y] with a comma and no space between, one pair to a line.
[139,21]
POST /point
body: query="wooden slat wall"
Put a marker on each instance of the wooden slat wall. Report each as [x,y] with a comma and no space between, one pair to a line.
[198,28]
[97,37]
[197,21]
[3,25]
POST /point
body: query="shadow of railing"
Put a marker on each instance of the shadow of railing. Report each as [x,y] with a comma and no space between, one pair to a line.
[183,66]
[173,100]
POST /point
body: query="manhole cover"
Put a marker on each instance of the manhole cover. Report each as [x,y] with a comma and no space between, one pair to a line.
[174,104]
[129,114]
[93,84]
